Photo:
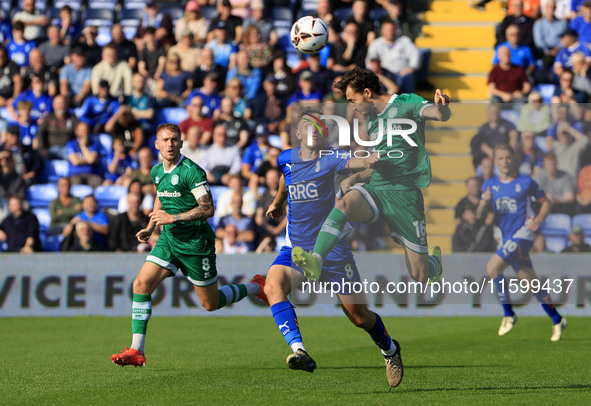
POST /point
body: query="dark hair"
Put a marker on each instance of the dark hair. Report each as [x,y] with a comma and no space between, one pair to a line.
[150,30]
[18,26]
[359,79]
[66,8]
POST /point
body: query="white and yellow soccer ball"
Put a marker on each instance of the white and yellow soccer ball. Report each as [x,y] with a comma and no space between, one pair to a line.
[309,35]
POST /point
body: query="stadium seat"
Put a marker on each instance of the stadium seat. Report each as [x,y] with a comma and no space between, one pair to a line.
[546,90]
[510,115]
[556,225]
[275,141]
[209,12]
[217,191]
[106,142]
[108,196]
[584,220]
[54,15]
[342,13]
[40,5]
[41,195]
[282,13]
[99,17]
[81,191]
[171,115]
[104,34]
[51,243]
[134,4]
[377,14]
[104,4]
[43,217]
[541,143]
[74,4]
[54,169]
[556,244]
[3,246]
[5,5]
[173,9]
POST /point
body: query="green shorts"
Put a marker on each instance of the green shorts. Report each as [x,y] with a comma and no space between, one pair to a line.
[404,212]
[195,257]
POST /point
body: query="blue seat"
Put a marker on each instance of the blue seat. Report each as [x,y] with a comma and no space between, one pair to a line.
[209,12]
[217,191]
[43,217]
[104,34]
[41,195]
[556,225]
[81,191]
[510,115]
[51,243]
[377,14]
[106,143]
[108,197]
[3,246]
[134,4]
[175,10]
[54,15]
[282,13]
[541,143]
[99,17]
[74,4]
[171,115]
[556,244]
[584,220]
[546,90]
[343,13]
[103,4]
[131,16]
[54,169]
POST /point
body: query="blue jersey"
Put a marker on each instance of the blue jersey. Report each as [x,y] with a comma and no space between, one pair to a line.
[511,202]
[41,105]
[19,53]
[311,197]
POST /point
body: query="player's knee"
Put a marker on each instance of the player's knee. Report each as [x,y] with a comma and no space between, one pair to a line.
[141,286]
[209,305]
[419,274]
[342,205]
[358,320]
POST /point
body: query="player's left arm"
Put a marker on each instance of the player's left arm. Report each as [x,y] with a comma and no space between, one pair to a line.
[359,164]
[275,210]
[203,210]
[440,111]
[545,209]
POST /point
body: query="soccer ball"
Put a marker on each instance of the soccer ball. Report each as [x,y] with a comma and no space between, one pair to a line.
[309,35]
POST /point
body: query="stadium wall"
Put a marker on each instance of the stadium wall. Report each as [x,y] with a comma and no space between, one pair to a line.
[100,284]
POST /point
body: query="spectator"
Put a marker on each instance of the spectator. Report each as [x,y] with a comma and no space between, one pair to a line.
[257,18]
[18,48]
[524,23]
[495,131]
[26,125]
[221,160]
[230,242]
[547,31]
[255,155]
[142,105]
[575,8]
[245,225]
[161,22]
[186,50]
[269,226]
[196,120]
[570,45]
[34,22]
[192,22]
[567,151]
[11,82]
[270,163]
[249,199]
[324,11]
[125,226]
[584,191]
[557,184]
[576,240]
[321,77]
[521,55]
[97,110]
[471,200]
[564,119]
[20,229]
[117,73]
[205,66]
[28,163]
[268,108]
[360,17]
[581,83]
[174,85]
[306,92]
[40,102]
[37,67]
[152,58]
[221,44]
[208,94]
[387,78]
[191,148]
[487,168]
[63,208]
[234,91]
[11,183]
[5,34]
[98,221]
[56,129]
[123,126]
[259,53]
[142,173]
[285,79]
[534,115]
[582,23]
[527,158]
[398,53]
[119,164]
[348,51]
[250,77]
[267,244]
[82,153]
[232,23]
[507,83]
[564,93]
[69,30]
[236,129]
[84,241]
[539,243]
[55,53]
[92,49]
[472,235]
[135,187]
[75,77]
[126,49]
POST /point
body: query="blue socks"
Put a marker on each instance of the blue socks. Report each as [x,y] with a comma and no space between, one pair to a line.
[548,307]
[287,322]
[380,336]
[504,295]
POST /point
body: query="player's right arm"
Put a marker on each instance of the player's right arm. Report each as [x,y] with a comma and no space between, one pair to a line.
[483,206]
[275,210]
[144,234]
[358,177]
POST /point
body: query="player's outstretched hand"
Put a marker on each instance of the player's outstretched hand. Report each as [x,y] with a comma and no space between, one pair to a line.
[144,234]
[274,211]
[487,195]
[161,218]
[371,160]
[441,98]
[348,183]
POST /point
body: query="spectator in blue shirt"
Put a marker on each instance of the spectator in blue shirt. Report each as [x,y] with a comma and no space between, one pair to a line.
[142,105]
[5,28]
[547,30]
[119,164]
[211,99]
[41,102]
[521,55]
[582,23]
[570,44]
[83,163]
[306,92]
[69,30]
[27,128]
[18,47]
[75,77]
[98,221]
[251,78]
[221,45]
[255,154]
[565,121]
[97,110]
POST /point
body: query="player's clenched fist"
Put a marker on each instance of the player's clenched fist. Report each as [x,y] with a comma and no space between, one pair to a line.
[160,217]
[144,234]
[440,97]
[274,211]
[487,195]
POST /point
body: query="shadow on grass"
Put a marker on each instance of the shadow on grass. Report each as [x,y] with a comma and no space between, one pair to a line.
[484,388]
[414,366]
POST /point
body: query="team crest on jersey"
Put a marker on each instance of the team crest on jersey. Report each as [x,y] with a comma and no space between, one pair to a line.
[393,112]
[157,180]
[175,179]
[518,188]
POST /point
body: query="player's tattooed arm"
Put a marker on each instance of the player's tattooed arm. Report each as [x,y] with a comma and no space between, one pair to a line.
[203,211]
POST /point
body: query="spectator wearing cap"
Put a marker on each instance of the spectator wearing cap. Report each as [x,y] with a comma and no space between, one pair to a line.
[360,17]
[398,53]
[259,52]
[269,109]
[236,129]
[11,82]
[97,110]
[347,51]
[582,23]
[221,160]
[18,47]
[20,229]
[257,18]
[34,22]
[161,22]
[196,122]
[37,66]
[11,183]
[27,161]
[570,45]
[205,65]
[41,102]
[306,92]
[221,44]
[173,85]
[255,154]
[547,31]
[117,73]
[82,153]
[251,78]
[186,50]
[208,93]
[321,76]
[194,22]
[152,58]
[524,23]
[92,49]
[576,242]
[56,129]
[232,23]
[69,30]
[507,83]
[584,191]
[126,49]
[54,52]
[521,55]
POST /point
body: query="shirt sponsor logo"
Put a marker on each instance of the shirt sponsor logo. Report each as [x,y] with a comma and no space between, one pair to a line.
[303,192]
[506,205]
[166,193]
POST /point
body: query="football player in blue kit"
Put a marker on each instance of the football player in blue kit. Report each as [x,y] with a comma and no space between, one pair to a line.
[308,185]
[510,195]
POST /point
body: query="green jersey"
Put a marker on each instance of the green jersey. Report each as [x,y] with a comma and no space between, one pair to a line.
[174,189]
[402,166]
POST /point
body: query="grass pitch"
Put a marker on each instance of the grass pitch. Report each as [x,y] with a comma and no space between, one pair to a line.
[241,360]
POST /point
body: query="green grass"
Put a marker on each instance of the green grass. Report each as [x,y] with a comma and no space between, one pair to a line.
[240,360]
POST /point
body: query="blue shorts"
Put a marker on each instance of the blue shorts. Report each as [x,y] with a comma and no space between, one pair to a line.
[515,252]
[332,271]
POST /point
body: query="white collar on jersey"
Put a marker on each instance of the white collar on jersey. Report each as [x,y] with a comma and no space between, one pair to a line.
[172,169]
[394,96]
